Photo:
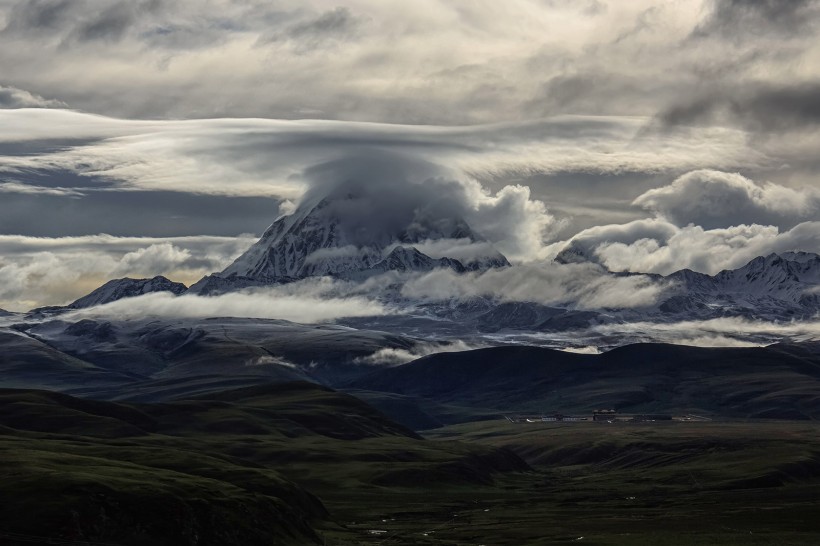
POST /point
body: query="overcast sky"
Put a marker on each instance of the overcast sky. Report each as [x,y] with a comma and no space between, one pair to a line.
[143,137]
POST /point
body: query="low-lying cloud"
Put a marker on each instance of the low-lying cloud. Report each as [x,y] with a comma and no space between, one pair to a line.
[714,332]
[37,271]
[396,356]
[270,360]
[579,286]
[720,332]
[17,187]
[262,303]
[657,246]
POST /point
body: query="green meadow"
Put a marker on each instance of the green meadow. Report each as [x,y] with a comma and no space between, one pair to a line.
[302,464]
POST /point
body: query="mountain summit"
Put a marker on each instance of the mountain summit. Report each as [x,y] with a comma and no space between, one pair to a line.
[777,286]
[343,235]
[118,289]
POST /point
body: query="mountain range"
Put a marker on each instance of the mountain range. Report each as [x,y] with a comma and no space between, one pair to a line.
[154,360]
[779,381]
[320,239]
[317,239]
[157,358]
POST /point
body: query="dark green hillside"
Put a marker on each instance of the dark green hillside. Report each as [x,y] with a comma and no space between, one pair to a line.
[46,411]
[289,409]
[302,464]
[674,483]
[299,463]
[243,467]
[28,363]
[780,381]
[51,490]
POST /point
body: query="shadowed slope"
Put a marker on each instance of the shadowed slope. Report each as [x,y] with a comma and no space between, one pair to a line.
[780,381]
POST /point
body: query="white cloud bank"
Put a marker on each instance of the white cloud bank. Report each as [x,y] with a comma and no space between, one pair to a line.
[715,332]
[261,157]
[396,356]
[706,221]
[714,199]
[657,246]
[274,158]
[36,271]
[580,286]
[263,303]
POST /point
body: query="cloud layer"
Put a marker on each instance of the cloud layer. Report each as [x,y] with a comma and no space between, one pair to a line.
[269,304]
[55,271]
[705,220]
[447,63]
[578,286]
[714,199]
[642,136]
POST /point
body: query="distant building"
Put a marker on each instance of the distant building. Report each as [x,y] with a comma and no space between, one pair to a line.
[553,417]
[604,415]
[560,417]
[652,417]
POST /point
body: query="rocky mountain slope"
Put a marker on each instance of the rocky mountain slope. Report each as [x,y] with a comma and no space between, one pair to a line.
[118,289]
[320,239]
[778,286]
[152,358]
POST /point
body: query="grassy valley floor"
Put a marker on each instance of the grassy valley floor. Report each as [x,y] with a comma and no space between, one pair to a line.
[301,464]
[609,484]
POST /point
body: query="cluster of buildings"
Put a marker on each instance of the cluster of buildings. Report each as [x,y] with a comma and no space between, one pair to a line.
[600,415]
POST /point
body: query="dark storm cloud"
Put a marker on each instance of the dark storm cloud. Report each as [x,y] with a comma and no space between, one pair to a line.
[756,71]
[736,19]
[110,24]
[595,92]
[446,63]
[386,196]
[757,108]
[39,16]
[328,27]
[182,37]
[377,192]
[115,21]
[336,22]
[73,21]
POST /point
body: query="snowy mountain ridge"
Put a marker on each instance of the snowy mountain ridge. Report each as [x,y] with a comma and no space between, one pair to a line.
[118,289]
[777,286]
[317,240]
[787,276]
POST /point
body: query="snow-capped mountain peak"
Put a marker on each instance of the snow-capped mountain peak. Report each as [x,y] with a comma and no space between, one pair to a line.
[336,236]
[776,286]
[774,274]
[118,289]
[403,258]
